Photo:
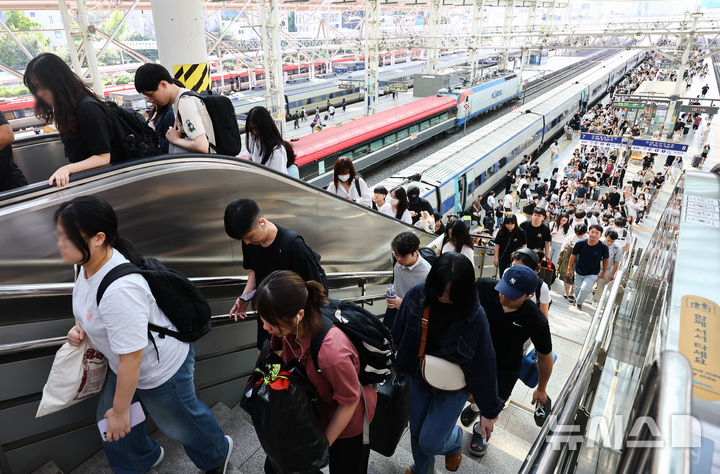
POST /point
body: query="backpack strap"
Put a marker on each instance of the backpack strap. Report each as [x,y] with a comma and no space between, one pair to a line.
[317,340]
[120,271]
[424,321]
[538,289]
[357,186]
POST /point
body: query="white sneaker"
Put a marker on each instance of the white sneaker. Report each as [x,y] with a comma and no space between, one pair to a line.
[160,458]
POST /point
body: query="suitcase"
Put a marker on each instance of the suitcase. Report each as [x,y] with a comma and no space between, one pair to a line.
[696,161]
[392,414]
[529,372]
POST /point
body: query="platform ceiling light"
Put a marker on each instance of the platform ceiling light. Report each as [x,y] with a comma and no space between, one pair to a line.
[696,15]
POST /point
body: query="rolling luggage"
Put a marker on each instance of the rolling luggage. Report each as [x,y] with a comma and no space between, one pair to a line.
[696,161]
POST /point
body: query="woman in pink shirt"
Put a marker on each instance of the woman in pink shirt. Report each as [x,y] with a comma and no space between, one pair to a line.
[290,310]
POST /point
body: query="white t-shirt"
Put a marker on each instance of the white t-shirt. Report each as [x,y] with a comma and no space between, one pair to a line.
[120,324]
[195,120]
[467,251]
[388,211]
[364,197]
[277,160]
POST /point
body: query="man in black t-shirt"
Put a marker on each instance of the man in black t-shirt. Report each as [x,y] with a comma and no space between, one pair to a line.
[10,175]
[417,204]
[513,317]
[266,248]
[537,233]
[588,256]
[614,197]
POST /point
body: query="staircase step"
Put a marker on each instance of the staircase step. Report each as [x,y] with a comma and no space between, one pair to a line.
[48,468]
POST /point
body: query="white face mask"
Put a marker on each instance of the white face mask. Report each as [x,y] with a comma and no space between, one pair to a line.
[343,177]
[393,201]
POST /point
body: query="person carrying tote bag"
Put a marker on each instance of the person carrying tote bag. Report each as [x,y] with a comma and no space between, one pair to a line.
[446,357]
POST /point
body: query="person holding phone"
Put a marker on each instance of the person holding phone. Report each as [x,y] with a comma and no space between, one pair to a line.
[159,374]
[409,270]
[266,247]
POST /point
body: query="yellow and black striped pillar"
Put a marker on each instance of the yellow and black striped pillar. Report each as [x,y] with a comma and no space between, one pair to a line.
[195,77]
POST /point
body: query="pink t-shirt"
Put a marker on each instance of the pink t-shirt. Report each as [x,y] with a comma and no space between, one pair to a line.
[338,384]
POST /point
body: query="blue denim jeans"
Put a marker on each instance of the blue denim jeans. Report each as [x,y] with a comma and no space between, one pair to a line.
[583,287]
[176,410]
[433,423]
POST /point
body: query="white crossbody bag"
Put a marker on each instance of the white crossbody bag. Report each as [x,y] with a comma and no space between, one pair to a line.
[437,372]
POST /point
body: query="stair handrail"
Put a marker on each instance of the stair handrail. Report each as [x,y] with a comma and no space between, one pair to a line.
[542,458]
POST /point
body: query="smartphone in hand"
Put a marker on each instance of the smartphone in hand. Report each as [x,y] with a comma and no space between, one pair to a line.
[137,416]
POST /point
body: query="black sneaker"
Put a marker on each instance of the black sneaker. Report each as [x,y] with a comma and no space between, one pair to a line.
[478,445]
[468,416]
[579,307]
[571,299]
[221,469]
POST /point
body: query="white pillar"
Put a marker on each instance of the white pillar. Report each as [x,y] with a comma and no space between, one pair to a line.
[507,24]
[67,26]
[89,47]
[180,36]
[433,43]
[272,60]
[370,34]
[477,12]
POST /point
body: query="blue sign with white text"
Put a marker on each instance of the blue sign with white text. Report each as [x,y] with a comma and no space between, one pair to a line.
[654,146]
[600,140]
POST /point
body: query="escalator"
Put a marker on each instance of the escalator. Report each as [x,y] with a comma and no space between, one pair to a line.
[170,207]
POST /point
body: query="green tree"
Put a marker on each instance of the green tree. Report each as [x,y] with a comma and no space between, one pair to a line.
[34,42]
[112,22]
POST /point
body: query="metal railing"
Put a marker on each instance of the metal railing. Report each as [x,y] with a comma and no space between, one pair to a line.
[542,458]
[54,289]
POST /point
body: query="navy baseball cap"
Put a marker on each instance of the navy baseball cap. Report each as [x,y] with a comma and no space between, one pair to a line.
[517,281]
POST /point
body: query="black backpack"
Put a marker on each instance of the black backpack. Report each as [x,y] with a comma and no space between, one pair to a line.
[371,339]
[131,135]
[176,296]
[225,126]
[286,238]
[428,254]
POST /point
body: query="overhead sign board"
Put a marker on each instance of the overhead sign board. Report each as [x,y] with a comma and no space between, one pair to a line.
[699,109]
[628,105]
[596,139]
[665,148]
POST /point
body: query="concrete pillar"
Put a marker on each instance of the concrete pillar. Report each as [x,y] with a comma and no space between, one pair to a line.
[272,60]
[431,65]
[370,39]
[477,13]
[180,36]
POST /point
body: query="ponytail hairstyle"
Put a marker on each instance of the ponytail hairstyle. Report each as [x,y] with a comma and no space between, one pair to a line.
[86,216]
[283,293]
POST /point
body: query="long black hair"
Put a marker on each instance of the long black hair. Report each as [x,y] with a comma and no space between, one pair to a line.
[456,269]
[509,219]
[402,198]
[268,136]
[458,235]
[86,216]
[48,71]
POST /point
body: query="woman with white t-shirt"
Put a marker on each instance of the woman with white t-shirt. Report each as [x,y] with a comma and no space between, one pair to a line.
[397,205]
[559,229]
[266,145]
[457,239]
[348,184]
[159,374]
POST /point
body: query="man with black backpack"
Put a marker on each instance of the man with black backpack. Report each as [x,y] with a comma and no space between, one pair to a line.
[267,247]
[204,123]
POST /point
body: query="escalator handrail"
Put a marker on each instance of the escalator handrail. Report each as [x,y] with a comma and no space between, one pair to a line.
[60,289]
[15,347]
[542,458]
[84,177]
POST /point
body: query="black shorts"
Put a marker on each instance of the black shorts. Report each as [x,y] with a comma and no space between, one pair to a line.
[506,382]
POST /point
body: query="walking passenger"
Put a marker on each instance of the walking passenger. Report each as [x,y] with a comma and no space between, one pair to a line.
[289,309]
[513,317]
[589,258]
[409,270]
[507,240]
[81,117]
[448,302]
[379,195]
[159,374]
[10,175]
[615,253]
[537,233]
[579,232]
[266,247]
[559,229]
[265,142]
[457,239]
[348,184]
[193,129]
[397,205]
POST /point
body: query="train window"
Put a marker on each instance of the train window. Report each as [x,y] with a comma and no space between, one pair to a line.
[502,162]
[478,181]
[390,139]
[402,133]
[361,151]
[376,145]
[490,171]
[424,124]
[414,128]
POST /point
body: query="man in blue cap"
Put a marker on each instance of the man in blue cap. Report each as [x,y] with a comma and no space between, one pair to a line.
[513,317]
